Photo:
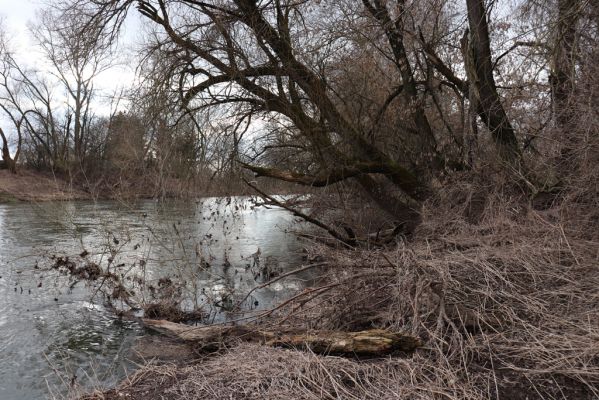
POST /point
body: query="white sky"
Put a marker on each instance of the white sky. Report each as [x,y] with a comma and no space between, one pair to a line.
[18,14]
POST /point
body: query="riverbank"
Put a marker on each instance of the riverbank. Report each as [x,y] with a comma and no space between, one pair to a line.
[34,186]
[507,307]
[27,185]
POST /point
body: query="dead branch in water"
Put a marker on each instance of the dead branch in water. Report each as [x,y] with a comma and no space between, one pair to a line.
[305,217]
[369,342]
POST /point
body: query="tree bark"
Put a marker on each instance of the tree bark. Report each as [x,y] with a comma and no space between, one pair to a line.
[9,162]
[394,31]
[480,73]
[372,342]
[563,73]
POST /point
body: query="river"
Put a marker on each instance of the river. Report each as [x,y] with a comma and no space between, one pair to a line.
[54,332]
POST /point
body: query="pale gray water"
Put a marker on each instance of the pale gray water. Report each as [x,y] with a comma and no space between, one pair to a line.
[54,330]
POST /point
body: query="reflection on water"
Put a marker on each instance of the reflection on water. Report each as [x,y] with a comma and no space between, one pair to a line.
[48,327]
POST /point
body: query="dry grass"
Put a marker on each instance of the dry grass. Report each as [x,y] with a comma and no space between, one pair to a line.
[34,186]
[508,309]
[508,306]
[504,296]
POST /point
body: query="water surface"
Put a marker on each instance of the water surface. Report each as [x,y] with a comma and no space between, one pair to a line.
[55,332]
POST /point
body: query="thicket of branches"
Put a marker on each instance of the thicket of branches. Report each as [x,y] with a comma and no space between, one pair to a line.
[383,98]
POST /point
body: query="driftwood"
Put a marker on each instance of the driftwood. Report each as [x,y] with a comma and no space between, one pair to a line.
[371,342]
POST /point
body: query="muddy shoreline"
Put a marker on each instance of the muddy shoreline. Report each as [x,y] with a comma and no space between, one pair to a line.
[34,186]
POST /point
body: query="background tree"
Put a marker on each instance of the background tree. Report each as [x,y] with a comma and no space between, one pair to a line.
[76,62]
[385,96]
[10,162]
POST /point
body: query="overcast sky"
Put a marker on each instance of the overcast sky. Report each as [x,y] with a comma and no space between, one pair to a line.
[18,14]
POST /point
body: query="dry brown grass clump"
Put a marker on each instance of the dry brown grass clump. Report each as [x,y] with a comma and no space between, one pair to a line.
[251,371]
[509,307]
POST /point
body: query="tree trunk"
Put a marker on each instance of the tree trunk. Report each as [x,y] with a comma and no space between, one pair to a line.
[479,68]
[372,342]
[405,215]
[395,36]
[9,163]
[563,76]
[563,72]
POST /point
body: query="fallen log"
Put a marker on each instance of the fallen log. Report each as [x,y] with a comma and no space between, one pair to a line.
[367,343]
[371,342]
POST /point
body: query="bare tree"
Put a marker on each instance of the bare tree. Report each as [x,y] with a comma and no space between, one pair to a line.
[9,103]
[277,64]
[243,55]
[27,101]
[480,87]
[77,60]
[9,162]
[563,71]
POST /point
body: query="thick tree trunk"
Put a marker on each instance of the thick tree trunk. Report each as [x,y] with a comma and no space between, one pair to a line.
[405,215]
[563,77]
[480,73]
[370,342]
[563,72]
[9,163]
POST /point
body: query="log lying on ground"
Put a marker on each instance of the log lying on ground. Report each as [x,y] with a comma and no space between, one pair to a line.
[370,342]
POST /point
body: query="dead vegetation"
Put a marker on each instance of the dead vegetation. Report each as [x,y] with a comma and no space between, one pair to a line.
[500,282]
[119,291]
[507,308]
[30,185]
[371,342]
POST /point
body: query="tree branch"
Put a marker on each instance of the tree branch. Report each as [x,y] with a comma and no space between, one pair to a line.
[305,217]
[322,179]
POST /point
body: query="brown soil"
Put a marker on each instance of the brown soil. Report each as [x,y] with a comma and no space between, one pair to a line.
[27,185]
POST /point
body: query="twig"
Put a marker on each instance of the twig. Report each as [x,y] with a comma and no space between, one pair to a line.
[305,217]
[295,271]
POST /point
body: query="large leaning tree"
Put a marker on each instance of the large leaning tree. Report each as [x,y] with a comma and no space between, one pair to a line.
[347,89]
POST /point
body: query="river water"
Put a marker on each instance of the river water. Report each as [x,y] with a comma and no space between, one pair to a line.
[54,332]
